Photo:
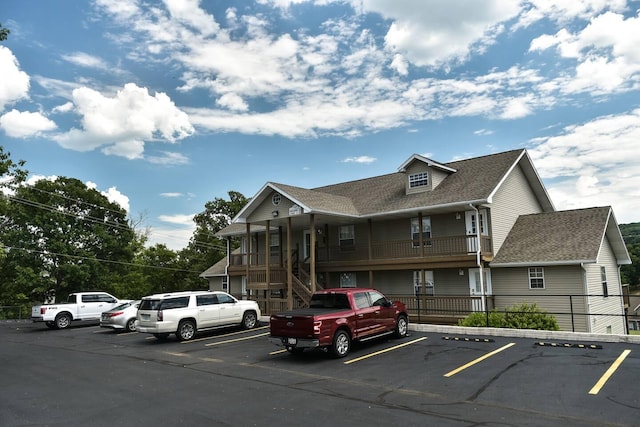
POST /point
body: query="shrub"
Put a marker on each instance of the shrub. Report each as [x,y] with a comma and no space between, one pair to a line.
[524,316]
[529,316]
[496,319]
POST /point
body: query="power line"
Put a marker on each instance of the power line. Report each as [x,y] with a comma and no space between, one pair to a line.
[101,260]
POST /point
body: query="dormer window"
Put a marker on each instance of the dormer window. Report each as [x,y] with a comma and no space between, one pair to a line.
[418,180]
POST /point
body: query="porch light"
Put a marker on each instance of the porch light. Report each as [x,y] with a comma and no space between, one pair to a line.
[275,213]
[461,272]
[458,216]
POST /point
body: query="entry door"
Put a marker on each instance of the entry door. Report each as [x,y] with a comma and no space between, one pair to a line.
[475,289]
[472,228]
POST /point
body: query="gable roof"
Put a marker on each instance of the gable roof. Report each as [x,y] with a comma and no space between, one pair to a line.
[561,238]
[473,180]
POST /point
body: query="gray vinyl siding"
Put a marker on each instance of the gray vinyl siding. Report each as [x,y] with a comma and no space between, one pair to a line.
[265,210]
[511,287]
[514,198]
[612,304]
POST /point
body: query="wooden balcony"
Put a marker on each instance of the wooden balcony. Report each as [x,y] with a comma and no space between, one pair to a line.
[401,253]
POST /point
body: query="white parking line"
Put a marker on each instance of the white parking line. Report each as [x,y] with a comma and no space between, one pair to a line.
[236,340]
[244,331]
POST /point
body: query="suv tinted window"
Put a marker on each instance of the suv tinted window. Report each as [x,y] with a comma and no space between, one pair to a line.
[149,304]
[206,300]
[179,302]
[225,299]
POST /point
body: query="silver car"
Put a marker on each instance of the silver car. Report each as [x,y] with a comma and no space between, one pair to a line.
[122,316]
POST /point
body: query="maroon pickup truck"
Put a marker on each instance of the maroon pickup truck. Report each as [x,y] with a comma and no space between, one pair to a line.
[335,318]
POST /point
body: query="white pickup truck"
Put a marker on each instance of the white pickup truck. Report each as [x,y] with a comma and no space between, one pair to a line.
[80,306]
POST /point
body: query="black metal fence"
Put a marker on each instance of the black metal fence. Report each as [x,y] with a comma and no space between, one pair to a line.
[15,312]
[576,312]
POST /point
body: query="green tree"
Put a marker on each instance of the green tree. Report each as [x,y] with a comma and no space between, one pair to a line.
[63,235]
[4,33]
[205,249]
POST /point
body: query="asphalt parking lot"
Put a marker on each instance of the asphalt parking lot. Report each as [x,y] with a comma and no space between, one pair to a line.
[91,376]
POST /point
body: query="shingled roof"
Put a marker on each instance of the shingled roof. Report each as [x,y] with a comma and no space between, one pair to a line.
[560,238]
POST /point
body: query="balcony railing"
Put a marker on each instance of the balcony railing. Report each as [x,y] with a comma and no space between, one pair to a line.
[395,249]
[381,250]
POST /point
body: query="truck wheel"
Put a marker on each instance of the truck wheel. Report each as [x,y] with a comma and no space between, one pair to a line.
[63,321]
[131,325]
[341,344]
[162,336]
[402,327]
[249,320]
[186,330]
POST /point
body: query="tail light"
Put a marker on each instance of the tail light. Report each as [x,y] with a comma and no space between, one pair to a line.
[43,310]
[114,314]
[159,315]
[316,327]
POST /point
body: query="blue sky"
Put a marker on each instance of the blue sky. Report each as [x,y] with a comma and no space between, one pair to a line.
[165,105]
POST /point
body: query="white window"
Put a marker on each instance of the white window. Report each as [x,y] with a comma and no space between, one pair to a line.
[603,277]
[348,280]
[274,243]
[275,199]
[225,283]
[347,236]
[426,231]
[429,288]
[536,278]
[419,180]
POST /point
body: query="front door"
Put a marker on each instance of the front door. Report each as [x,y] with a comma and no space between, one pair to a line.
[472,228]
[475,287]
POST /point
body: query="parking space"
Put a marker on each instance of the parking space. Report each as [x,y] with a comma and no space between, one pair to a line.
[446,379]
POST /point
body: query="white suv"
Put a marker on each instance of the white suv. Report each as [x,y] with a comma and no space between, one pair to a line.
[185,313]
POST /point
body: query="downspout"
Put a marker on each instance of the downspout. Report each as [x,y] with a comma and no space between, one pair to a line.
[478,258]
[226,267]
[588,298]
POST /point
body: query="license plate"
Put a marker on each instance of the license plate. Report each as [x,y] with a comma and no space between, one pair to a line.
[145,316]
[292,341]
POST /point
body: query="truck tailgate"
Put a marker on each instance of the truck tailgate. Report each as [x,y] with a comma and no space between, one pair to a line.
[289,325]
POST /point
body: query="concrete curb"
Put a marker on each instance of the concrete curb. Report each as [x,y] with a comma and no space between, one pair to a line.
[525,333]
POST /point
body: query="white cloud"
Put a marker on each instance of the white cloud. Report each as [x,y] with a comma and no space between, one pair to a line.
[168,158]
[14,84]
[122,124]
[85,60]
[438,32]
[171,195]
[112,194]
[593,164]
[23,124]
[360,159]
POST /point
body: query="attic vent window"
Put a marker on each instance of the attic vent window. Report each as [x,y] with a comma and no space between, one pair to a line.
[275,199]
[419,180]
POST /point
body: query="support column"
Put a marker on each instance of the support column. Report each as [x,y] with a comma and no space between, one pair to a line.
[370,248]
[267,263]
[248,245]
[289,267]
[312,226]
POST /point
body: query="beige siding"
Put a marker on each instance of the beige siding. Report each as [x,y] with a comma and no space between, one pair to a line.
[598,304]
[511,287]
[514,198]
[436,176]
[264,211]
